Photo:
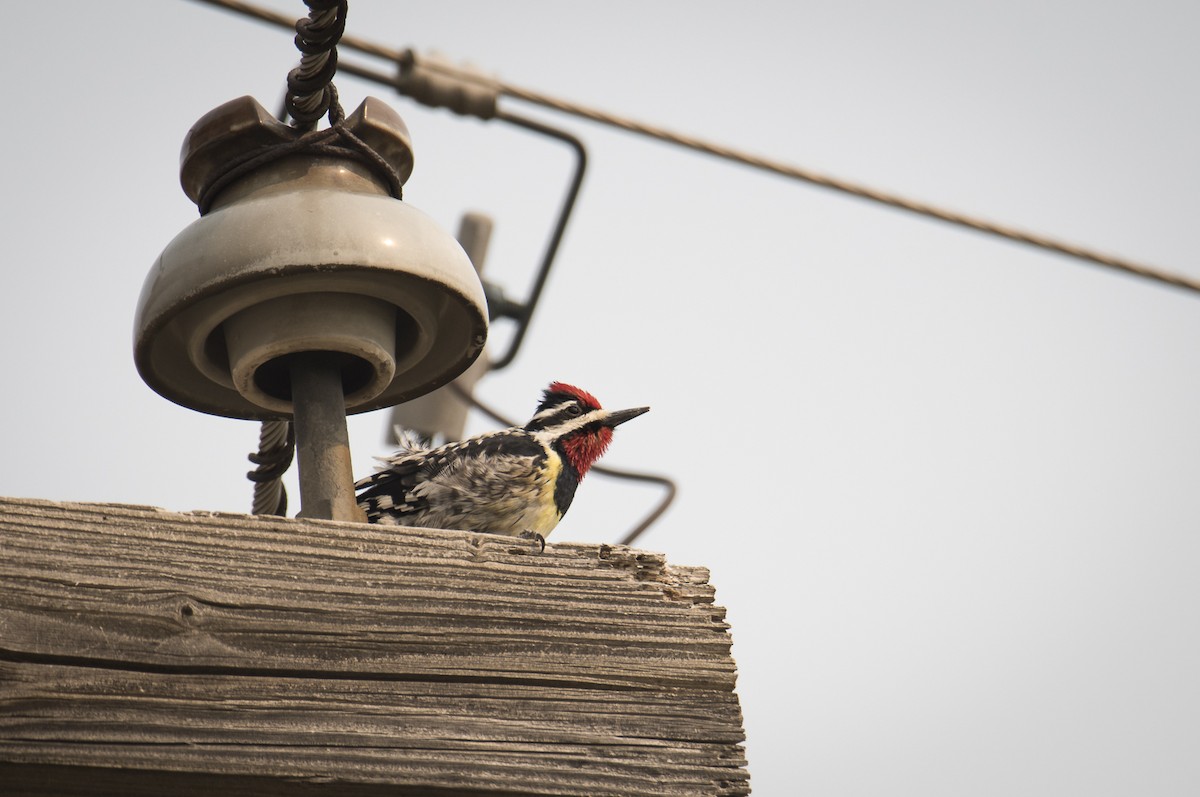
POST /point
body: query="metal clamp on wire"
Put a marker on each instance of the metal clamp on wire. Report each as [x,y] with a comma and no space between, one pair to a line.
[440,83]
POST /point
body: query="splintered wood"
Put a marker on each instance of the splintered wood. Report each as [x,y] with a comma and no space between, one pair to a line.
[148,652]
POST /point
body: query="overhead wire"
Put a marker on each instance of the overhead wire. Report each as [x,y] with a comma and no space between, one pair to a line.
[408,59]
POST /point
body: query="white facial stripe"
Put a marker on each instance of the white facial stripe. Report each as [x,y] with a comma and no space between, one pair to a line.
[569,425]
[557,415]
[549,411]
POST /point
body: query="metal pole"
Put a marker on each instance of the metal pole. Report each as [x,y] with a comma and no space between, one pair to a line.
[322,441]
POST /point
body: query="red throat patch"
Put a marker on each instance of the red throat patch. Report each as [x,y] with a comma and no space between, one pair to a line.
[583,450]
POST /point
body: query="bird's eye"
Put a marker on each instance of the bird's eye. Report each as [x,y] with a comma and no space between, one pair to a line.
[574,410]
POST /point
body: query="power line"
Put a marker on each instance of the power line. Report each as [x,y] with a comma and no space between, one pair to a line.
[409,60]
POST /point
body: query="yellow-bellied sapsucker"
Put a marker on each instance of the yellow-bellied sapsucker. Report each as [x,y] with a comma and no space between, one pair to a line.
[517,481]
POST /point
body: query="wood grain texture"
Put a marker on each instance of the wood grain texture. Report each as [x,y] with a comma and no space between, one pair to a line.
[149,652]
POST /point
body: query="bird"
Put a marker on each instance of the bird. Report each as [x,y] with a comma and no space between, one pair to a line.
[518,481]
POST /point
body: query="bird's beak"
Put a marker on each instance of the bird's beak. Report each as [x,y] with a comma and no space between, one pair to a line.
[618,417]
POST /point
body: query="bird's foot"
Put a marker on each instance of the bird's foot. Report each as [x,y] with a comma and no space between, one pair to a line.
[538,540]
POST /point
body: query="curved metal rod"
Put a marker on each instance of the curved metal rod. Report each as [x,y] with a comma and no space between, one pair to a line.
[560,227]
[656,513]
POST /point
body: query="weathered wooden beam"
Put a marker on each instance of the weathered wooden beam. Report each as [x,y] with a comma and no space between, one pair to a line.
[148,652]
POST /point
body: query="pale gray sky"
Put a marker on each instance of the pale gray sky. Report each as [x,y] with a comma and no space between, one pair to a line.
[946,485]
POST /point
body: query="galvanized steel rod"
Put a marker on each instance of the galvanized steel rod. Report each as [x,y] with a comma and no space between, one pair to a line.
[322,439]
[556,236]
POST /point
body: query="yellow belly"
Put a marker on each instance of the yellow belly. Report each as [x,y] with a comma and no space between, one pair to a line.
[545,517]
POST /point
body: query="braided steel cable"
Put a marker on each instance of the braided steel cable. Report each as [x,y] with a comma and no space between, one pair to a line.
[276,448]
[283,20]
[310,85]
